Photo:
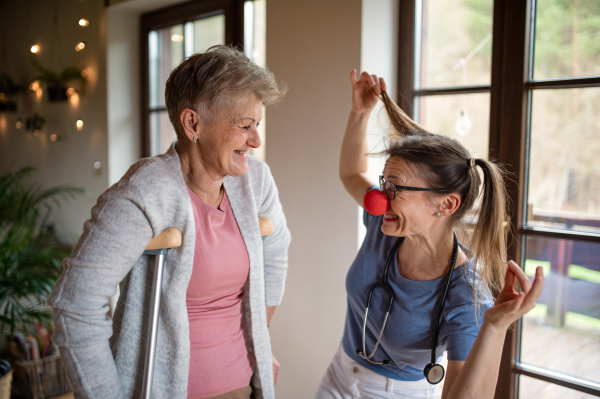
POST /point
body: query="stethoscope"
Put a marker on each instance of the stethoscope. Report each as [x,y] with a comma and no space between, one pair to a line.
[434,373]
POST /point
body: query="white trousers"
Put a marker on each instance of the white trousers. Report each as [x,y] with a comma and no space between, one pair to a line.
[346,379]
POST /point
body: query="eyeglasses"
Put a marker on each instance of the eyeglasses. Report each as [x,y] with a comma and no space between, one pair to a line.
[390,188]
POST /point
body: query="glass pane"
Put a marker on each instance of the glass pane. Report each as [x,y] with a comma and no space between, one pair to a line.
[567,38]
[562,332]
[465,117]
[564,173]
[455,43]
[165,53]
[533,388]
[208,32]
[162,133]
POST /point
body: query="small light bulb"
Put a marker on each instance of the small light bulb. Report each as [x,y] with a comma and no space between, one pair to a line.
[53,137]
[79,124]
[36,133]
[80,46]
[83,22]
[2,97]
[19,124]
[35,48]
[34,86]
[177,38]
[70,91]
[97,165]
[463,123]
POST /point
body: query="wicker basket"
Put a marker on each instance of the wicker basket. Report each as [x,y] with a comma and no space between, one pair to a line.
[41,379]
[5,385]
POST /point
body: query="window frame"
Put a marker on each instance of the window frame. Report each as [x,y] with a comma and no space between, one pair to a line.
[510,89]
[180,14]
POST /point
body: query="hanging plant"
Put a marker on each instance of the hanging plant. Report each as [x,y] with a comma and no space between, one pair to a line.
[35,123]
[8,91]
[57,83]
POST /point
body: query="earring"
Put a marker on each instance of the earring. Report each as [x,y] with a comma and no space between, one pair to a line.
[438,214]
[195,139]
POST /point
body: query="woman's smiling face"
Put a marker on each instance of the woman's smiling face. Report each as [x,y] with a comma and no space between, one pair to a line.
[224,145]
[411,212]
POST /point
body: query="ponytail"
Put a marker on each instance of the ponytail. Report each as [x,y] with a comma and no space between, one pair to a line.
[488,243]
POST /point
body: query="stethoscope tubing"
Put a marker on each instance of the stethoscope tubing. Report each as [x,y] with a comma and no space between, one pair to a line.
[384,284]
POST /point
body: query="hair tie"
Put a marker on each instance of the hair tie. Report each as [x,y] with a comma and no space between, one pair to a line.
[472,162]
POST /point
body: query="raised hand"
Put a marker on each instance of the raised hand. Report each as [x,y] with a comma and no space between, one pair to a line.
[365,91]
[510,304]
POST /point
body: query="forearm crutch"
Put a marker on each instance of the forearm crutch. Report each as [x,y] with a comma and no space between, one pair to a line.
[158,246]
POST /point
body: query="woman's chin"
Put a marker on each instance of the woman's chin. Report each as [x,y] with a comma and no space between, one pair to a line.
[390,229]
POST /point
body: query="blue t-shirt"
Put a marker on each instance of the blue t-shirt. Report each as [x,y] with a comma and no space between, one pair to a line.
[406,340]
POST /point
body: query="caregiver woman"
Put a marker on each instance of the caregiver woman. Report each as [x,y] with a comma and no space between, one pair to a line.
[432,183]
[213,340]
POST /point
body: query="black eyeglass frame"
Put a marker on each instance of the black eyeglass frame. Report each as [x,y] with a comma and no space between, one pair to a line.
[384,184]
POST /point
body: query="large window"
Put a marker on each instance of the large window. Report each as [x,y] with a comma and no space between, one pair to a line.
[519,82]
[175,33]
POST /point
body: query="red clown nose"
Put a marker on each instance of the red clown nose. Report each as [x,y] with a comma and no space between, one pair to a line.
[376,202]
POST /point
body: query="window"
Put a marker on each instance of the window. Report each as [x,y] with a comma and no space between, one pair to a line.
[169,35]
[519,82]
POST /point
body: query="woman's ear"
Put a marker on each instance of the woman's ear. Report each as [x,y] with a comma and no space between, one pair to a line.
[190,121]
[450,204]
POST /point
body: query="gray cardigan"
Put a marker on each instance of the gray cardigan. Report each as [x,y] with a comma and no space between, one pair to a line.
[104,357]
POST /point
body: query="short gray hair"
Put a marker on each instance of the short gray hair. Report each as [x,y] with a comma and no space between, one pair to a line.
[210,82]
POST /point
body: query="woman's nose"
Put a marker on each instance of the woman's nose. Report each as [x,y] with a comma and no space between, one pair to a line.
[254,140]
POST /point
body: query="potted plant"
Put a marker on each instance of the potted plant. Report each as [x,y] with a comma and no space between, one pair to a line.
[57,82]
[30,263]
[8,90]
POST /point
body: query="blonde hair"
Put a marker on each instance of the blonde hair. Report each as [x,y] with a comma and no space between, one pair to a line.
[210,82]
[446,164]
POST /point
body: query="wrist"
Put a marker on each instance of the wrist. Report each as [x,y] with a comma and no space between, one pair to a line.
[493,329]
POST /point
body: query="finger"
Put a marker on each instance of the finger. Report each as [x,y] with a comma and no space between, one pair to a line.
[509,279]
[383,84]
[353,79]
[377,87]
[365,77]
[536,289]
[521,277]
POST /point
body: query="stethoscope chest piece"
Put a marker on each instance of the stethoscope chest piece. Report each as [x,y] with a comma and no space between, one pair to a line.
[434,373]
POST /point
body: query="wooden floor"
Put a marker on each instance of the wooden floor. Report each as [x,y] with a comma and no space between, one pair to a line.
[570,350]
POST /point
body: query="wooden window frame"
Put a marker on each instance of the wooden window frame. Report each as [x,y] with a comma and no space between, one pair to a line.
[180,14]
[510,105]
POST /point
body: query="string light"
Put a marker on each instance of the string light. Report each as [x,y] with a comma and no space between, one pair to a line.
[36,133]
[70,91]
[80,46]
[177,38]
[35,48]
[33,86]
[19,123]
[79,124]
[83,22]
[53,137]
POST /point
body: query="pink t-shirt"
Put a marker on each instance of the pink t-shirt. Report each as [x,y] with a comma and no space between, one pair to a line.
[219,359]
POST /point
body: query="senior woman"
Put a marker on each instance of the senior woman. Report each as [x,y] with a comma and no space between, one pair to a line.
[219,293]
[415,292]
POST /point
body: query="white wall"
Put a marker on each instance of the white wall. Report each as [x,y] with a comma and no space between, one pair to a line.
[123,76]
[71,159]
[313,45]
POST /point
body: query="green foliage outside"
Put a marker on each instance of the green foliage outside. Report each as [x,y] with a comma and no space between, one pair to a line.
[30,257]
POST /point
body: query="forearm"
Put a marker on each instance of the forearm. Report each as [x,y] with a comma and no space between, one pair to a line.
[270,313]
[479,375]
[353,160]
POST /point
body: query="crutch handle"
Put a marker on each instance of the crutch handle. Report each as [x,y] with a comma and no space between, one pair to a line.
[169,238]
[266,226]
